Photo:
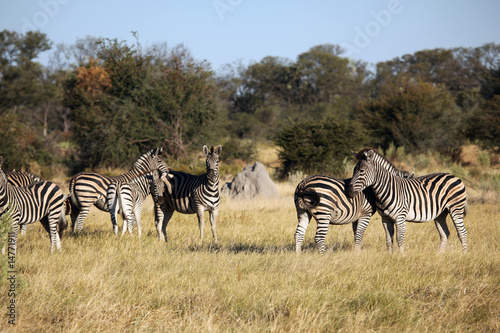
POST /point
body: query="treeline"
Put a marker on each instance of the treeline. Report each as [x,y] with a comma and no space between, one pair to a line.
[103,102]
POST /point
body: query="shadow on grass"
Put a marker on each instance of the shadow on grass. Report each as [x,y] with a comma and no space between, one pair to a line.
[245,247]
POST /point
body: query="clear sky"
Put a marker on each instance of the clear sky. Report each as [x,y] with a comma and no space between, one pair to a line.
[226,31]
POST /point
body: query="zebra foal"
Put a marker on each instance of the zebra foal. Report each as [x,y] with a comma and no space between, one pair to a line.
[421,199]
[127,198]
[41,201]
[191,194]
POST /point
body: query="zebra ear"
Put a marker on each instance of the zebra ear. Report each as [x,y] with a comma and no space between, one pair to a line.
[218,150]
[205,149]
[354,154]
[369,155]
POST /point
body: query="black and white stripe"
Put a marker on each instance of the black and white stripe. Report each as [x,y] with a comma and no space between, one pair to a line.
[127,198]
[421,199]
[21,179]
[190,194]
[41,201]
[90,188]
[324,198]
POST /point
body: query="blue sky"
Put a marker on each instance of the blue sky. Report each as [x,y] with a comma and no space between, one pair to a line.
[227,31]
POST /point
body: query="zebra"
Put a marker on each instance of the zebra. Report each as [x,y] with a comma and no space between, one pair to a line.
[324,198]
[128,197]
[191,194]
[90,188]
[41,201]
[21,179]
[421,199]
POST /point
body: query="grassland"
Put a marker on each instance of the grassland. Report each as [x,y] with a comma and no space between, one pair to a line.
[252,281]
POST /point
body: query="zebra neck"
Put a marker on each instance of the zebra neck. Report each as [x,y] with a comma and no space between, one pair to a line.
[385,184]
[213,185]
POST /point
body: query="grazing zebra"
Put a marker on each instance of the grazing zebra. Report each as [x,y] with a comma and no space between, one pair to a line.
[90,188]
[41,201]
[21,179]
[190,194]
[420,199]
[128,197]
[324,198]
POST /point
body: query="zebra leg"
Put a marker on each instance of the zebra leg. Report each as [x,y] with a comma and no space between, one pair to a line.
[304,218]
[113,206]
[321,231]
[159,217]
[23,229]
[213,222]
[78,225]
[128,221]
[359,228]
[457,215]
[201,220]
[442,228]
[400,233]
[50,223]
[138,213]
[389,232]
[168,212]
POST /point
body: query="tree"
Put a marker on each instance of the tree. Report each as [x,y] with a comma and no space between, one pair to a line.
[417,115]
[127,101]
[318,146]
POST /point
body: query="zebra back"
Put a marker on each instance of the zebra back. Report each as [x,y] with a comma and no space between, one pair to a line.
[325,194]
[21,178]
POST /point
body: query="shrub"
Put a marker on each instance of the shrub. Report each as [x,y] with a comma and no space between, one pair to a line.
[314,146]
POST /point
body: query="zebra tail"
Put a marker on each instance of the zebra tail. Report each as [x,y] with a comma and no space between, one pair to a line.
[63,224]
[306,198]
[68,204]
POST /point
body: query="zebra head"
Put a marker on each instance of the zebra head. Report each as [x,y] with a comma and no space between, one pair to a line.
[160,179]
[212,162]
[149,161]
[363,175]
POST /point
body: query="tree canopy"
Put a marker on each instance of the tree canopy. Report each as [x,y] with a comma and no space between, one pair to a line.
[102,102]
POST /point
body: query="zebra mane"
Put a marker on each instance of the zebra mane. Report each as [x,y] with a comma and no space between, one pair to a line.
[146,158]
[363,153]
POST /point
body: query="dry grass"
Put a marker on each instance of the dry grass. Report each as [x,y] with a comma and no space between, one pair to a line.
[252,281]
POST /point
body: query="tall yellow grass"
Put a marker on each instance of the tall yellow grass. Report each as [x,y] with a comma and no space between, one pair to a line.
[252,281]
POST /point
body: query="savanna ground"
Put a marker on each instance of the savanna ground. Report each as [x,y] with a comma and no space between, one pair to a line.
[253,281]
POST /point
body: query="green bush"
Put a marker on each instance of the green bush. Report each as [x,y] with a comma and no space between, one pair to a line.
[317,146]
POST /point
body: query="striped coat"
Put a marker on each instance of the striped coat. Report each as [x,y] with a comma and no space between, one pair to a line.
[127,198]
[421,199]
[21,179]
[191,194]
[41,201]
[90,188]
[324,198]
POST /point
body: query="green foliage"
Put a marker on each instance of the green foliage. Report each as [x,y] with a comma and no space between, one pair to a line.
[238,149]
[313,146]
[414,114]
[484,123]
[128,102]
[20,144]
